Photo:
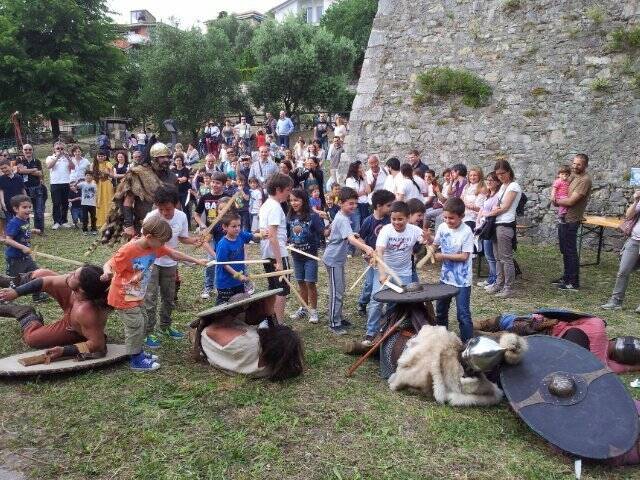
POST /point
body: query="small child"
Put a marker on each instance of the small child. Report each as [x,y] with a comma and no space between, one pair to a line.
[560,189]
[416,217]
[305,228]
[394,245]
[381,201]
[255,202]
[75,204]
[333,201]
[314,201]
[205,186]
[89,199]
[230,279]
[130,271]
[242,203]
[335,257]
[455,240]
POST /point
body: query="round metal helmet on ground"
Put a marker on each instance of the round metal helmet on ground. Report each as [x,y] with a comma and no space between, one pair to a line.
[244,302]
[159,150]
[625,350]
[427,292]
[569,398]
[483,354]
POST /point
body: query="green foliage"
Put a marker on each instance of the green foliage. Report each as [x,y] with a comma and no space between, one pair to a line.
[625,40]
[538,91]
[596,14]
[300,66]
[511,6]
[57,58]
[445,81]
[600,85]
[351,19]
[239,34]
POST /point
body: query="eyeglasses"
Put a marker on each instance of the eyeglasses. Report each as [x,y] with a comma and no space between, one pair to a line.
[27,149]
[58,148]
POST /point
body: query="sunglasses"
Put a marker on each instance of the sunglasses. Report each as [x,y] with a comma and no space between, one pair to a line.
[27,149]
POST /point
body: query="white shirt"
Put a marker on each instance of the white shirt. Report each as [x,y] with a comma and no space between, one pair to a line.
[382,176]
[340,131]
[77,174]
[179,228]
[453,241]
[255,201]
[470,195]
[391,183]
[398,247]
[59,173]
[510,215]
[358,186]
[244,130]
[142,138]
[271,214]
[408,189]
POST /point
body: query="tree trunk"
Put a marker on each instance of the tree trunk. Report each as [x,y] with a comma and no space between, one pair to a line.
[55,128]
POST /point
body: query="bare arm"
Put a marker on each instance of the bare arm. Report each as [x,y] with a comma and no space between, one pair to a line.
[181,257]
[506,202]
[356,242]
[275,246]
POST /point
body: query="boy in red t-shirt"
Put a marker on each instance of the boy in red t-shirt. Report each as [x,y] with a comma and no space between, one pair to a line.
[130,268]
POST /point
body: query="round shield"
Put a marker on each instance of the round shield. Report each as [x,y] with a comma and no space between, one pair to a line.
[424,293]
[568,397]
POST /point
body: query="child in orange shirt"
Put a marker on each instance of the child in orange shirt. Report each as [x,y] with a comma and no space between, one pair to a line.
[130,271]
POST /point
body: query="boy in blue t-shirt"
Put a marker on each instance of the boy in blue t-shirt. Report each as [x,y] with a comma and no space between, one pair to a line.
[230,278]
[18,241]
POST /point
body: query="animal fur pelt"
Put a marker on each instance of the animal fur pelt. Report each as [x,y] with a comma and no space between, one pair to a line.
[431,365]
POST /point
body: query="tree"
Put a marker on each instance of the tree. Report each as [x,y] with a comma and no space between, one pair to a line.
[352,19]
[187,76]
[57,59]
[300,65]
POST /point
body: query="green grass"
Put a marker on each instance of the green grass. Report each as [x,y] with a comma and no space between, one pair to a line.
[446,82]
[625,40]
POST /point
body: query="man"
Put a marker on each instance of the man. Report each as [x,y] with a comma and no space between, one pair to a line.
[321,131]
[136,158]
[334,155]
[270,125]
[59,166]
[11,185]
[284,128]
[375,176]
[243,130]
[576,203]
[264,167]
[413,158]
[212,137]
[31,171]
[81,295]
[394,177]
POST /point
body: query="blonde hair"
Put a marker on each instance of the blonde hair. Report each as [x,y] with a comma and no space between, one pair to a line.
[158,228]
[481,185]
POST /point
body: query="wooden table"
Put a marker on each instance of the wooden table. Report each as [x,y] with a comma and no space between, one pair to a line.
[594,224]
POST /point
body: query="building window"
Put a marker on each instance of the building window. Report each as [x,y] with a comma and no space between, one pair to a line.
[319,12]
[309,14]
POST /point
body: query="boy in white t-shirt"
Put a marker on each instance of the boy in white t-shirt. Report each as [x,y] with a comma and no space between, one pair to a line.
[394,245]
[273,226]
[455,240]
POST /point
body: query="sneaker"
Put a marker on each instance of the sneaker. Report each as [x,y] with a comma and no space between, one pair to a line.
[86,234]
[346,323]
[612,305]
[568,287]
[150,356]
[94,232]
[205,294]
[298,314]
[368,341]
[140,363]
[66,225]
[493,289]
[56,226]
[362,310]
[557,281]
[505,293]
[483,283]
[172,333]
[637,310]
[151,341]
[313,316]
[338,330]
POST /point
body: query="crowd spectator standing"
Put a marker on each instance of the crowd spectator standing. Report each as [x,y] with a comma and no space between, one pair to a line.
[264,167]
[270,125]
[334,155]
[375,176]
[102,173]
[11,185]
[60,167]
[419,168]
[80,164]
[243,130]
[31,171]
[284,128]
[321,132]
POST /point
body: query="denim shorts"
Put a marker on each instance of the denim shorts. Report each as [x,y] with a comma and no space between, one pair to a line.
[305,269]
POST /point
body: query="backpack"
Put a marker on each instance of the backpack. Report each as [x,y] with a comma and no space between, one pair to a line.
[521,203]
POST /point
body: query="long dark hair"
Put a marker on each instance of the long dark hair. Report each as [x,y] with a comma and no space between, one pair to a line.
[281,351]
[95,168]
[353,170]
[407,172]
[494,177]
[95,290]
[305,212]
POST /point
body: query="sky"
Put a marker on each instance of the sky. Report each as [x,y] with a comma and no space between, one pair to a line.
[187,12]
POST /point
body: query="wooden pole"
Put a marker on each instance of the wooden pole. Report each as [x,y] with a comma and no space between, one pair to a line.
[293,249]
[429,256]
[360,278]
[59,259]
[389,271]
[296,293]
[271,274]
[246,262]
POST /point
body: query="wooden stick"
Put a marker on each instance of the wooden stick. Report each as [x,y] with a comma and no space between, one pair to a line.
[39,359]
[429,256]
[391,273]
[375,346]
[246,262]
[59,259]
[293,249]
[221,213]
[271,274]
[296,293]
[360,278]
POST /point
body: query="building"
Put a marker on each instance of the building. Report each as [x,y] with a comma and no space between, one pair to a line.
[252,17]
[138,31]
[312,10]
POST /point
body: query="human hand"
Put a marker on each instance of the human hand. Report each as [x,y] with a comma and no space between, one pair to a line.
[278,266]
[26,250]
[8,294]
[203,262]
[53,353]
[129,231]
[439,256]
[265,235]
[37,231]
[243,278]
[369,251]
[105,277]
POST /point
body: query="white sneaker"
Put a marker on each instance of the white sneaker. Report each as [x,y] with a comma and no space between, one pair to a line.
[298,314]
[56,226]
[493,288]
[66,225]
[205,294]
[313,316]
[483,283]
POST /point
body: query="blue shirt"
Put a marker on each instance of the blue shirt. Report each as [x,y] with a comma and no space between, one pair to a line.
[284,126]
[11,186]
[227,251]
[305,235]
[18,230]
[371,227]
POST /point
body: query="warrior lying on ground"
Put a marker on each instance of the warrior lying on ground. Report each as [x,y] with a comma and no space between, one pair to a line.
[81,295]
[620,354]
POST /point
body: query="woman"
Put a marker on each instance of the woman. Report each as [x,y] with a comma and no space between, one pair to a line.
[192,157]
[505,233]
[491,201]
[80,164]
[286,168]
[341,128]
[102,174]
[458,180]
[355,179]
[473,196]
[309,176]
[409,188]
[183,173]
[227,132]
[299,150]
[629,256]
[121,168]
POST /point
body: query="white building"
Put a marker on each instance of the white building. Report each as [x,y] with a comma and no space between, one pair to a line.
[311,9]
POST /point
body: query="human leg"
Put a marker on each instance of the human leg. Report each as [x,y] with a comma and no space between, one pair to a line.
[572,267]
[134,326]
[92,215]
[56,197]
[504,237]
[374,311]
[487,247]
[85,218]
[209,275]
[442,312]
[37,335]
[167,282]
[628,259]
[463,313]
[336,293]
[151,300]
[367,286]
[64,202]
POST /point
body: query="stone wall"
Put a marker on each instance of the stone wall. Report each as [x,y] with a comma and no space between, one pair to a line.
[541,59]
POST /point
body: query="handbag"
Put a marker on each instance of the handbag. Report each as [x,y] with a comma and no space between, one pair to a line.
[487,230]
[627,225]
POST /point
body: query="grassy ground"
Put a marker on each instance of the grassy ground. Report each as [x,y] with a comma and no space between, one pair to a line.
[188,421]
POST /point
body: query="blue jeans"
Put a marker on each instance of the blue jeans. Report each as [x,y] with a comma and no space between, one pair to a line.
[463,312]
[210,272]
[365,295]
[245,220]
[374,314]
[36,194]
[76,213]
[305,269]
[283,140]
[487,248]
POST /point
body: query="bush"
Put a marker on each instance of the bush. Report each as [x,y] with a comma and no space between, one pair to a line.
[596,14]
[625,39]
[600,85]
[445,81]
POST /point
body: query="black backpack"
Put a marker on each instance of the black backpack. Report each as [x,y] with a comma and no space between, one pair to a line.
[521,203]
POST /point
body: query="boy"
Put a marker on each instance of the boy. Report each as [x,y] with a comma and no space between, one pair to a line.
[75,199]
[89,199]
[416,217]
[18,241]
[130,271]
[208,204]
[165,269]
[10,186]
[381,201]
[394,245]
[230,278]
[335,256]
[455,239]
[333,201]
[273,222]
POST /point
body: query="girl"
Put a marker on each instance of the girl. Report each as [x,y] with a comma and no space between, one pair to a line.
[102,174]
[261,139]
[304,230]
[473,195]
[458,180]
[492,186]
[183,173]
[356,180]
[409,188]
[192,156]
[121,168]
[205,186]
[299,150]
[255,202]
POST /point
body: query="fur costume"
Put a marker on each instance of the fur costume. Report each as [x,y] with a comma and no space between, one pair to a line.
[431,365]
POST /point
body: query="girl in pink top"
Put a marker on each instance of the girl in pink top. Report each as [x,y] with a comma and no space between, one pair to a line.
[560,188]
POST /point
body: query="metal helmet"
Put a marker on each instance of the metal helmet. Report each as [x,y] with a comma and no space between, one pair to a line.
[482,354]
[159,150]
